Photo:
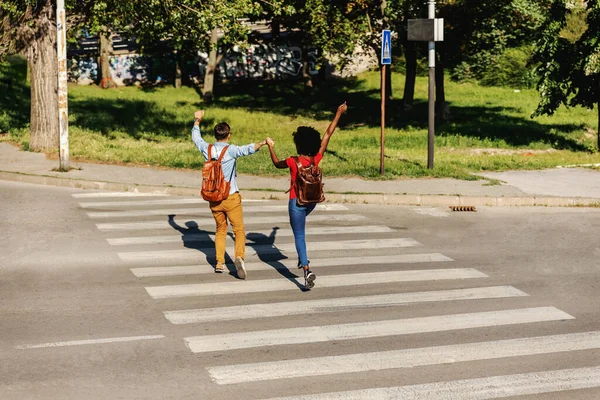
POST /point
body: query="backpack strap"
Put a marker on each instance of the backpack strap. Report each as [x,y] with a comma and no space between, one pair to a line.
[223,152]
[209,151]
[299,164]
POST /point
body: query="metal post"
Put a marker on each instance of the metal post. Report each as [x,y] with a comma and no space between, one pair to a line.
[382,153]
[63,112]
[431,97]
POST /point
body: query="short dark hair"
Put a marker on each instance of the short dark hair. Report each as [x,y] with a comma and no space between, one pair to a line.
[307,140]
[221,130]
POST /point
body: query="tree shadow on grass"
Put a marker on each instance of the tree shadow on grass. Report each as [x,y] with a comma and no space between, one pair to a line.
[15,94]
[136,118]
[364,109]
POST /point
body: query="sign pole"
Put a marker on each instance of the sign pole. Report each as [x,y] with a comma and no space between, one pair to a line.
[386,59]
[63,113]
[382,154]
[431,96]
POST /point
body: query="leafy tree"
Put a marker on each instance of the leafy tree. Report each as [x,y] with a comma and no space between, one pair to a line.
[569,70]
[29,27]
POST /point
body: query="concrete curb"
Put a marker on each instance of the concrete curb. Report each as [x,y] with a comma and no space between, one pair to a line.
[356,198]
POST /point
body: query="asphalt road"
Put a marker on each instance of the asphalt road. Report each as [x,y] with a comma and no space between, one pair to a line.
[101,298]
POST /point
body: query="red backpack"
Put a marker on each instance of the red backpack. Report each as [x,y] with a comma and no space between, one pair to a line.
[214,186]
[309,183]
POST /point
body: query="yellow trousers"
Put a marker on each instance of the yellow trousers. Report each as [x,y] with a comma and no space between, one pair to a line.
[229,209]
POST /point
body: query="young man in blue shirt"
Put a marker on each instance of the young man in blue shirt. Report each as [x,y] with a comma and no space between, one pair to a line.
[229,209]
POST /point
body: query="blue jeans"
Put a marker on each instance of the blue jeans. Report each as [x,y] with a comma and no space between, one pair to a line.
[298,222]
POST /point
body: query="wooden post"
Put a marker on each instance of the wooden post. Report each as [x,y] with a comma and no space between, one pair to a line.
[382,154]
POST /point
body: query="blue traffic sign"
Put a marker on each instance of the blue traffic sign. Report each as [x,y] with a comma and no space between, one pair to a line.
[386,47]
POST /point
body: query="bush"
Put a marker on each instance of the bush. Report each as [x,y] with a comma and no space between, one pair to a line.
[510,69]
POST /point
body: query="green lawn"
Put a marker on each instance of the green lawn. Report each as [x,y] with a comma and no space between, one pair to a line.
[490,128]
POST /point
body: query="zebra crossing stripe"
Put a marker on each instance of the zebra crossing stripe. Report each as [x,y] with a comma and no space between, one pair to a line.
[171,201]
[407,358]
[257,235]
[203,211]
[271,285]
[198,222]
[115,194]
[267,249]
[361,330]
[291,264]
[494,387]
[88,341]
[336,304]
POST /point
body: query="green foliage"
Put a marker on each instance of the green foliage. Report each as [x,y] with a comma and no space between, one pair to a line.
[510,69]
[478,33]
[569,71]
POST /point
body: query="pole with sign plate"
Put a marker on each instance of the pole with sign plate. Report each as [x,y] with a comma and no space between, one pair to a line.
[386,59]
[430,30]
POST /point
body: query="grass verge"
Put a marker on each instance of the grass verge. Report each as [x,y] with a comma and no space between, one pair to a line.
[489,128]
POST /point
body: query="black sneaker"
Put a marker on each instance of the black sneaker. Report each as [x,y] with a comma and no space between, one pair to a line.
[301,266]
[309,279]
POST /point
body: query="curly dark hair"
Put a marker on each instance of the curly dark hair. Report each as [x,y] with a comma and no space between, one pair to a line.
[307,140]
[221,130]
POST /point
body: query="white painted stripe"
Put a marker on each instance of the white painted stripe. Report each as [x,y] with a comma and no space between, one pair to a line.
[314,334]
[257,235]
[431,211]
[407,358]
[203,211]
[171,201]
[267,249]
[88,341]
[291,264]
[115,194]
[494,387]
[272,219]
[336,304]
[270,285]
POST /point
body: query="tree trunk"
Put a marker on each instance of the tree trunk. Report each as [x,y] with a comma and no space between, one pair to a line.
[43,64]
[106,51]
[598,132]
[177,70]
[306,77]
[209,76]
[410,53]
[442,110]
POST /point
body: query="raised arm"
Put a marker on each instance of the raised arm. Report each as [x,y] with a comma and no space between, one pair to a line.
[196,135]
[276,162]
[325,141]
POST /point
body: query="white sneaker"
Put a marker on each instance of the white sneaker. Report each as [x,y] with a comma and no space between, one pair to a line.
[240,268]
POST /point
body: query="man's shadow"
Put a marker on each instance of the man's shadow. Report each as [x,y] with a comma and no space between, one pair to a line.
[274,256]
[198,239]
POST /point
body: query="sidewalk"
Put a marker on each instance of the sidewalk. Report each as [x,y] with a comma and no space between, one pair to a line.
[553,187]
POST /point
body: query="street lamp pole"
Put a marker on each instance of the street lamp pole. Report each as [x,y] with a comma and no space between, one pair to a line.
[431,95]
[63,101]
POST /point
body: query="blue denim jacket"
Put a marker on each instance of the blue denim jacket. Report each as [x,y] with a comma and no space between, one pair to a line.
[233,152]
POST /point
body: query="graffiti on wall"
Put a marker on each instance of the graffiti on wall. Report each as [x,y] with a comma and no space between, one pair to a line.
[128,69]
[258,61]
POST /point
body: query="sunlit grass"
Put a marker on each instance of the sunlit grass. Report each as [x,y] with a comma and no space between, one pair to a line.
[133,125]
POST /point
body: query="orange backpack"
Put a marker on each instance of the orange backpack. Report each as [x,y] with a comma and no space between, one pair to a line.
[214,186]
[309,183]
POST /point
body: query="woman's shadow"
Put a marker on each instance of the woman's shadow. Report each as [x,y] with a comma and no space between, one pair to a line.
[198,239]
[273,256]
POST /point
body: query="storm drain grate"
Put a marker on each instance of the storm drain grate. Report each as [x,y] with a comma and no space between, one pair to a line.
[463,208]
